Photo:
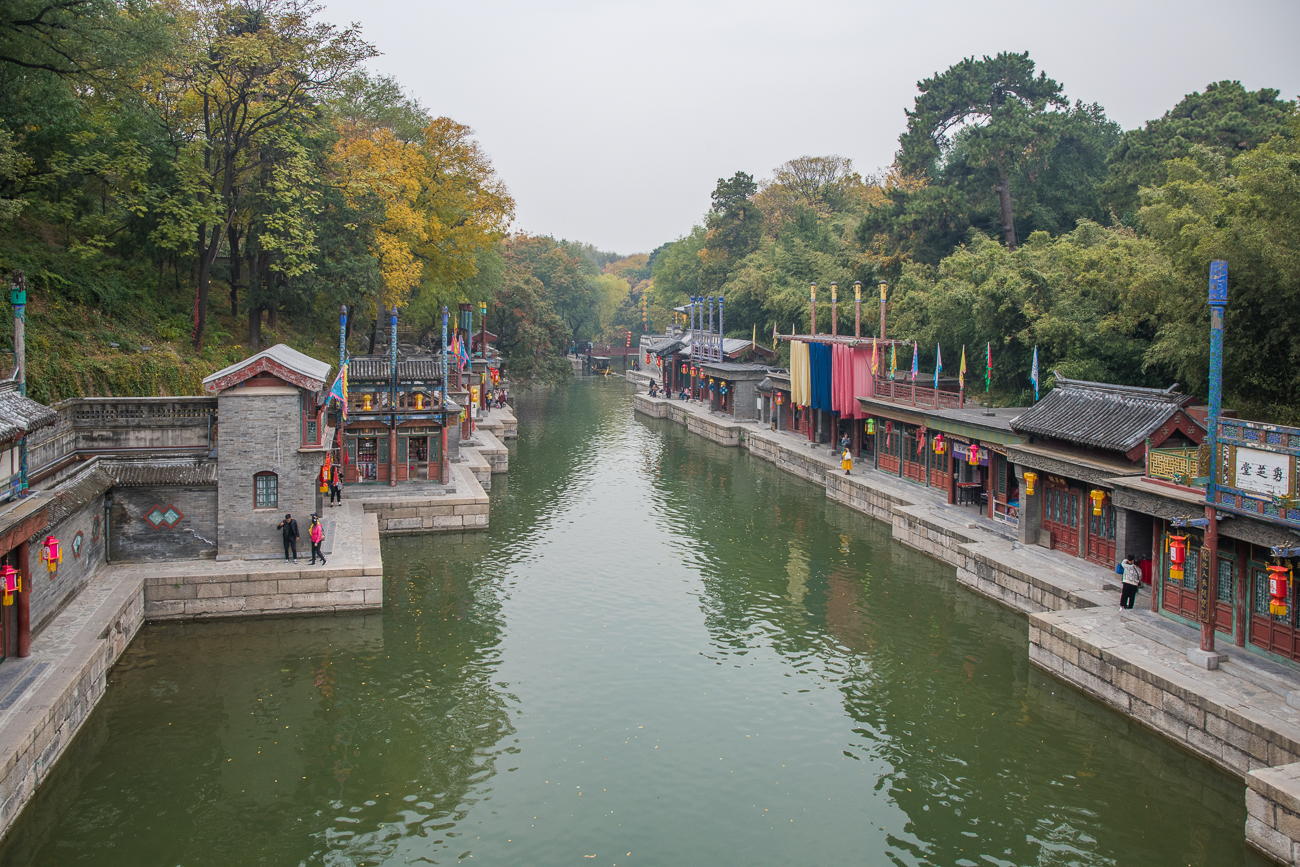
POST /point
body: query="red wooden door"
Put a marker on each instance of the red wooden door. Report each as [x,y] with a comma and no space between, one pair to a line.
[1100,543]
[1274,633]
[1061,516]
[1224,590]
[1179,597]
[913,458]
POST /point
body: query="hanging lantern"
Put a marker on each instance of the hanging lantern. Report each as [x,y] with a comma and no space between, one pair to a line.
[1177,556]
[871,426]
[51,553]
[365,401]
[1030,478]
[647,358]
[889,432]
[1278,587]
[724,388]
[779,398]
[419,401]
[1097,497]
[12,583]
[973,455]
[940,444]
[683,370]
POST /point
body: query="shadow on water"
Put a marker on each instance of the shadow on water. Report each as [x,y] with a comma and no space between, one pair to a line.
[661,647]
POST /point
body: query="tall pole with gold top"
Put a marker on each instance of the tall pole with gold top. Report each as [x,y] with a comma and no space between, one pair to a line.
[857,308]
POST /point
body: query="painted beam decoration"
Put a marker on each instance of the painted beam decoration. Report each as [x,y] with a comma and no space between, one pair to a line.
[1258,468]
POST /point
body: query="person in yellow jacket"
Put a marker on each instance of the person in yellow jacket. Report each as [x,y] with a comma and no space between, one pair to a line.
[846,461]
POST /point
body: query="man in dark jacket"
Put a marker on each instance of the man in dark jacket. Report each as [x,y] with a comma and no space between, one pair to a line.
[289,531]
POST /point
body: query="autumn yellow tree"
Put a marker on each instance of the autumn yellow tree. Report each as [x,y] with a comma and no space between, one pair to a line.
[441,204]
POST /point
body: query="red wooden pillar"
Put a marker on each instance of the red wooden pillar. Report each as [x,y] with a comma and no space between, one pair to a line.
[1157,564]
[993,462]
[1242,611]
[392,456]
[949,482]
[24,601]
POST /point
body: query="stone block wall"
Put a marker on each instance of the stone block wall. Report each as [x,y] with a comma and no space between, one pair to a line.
[440,514]
[29,752]
[854,492]
[260,432]
[1225,735]
[794,460]
[917,531]
[52,590]
[253,594]
[133,538]
[1273,813]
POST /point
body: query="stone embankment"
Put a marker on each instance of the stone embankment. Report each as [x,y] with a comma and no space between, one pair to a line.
[1244,716]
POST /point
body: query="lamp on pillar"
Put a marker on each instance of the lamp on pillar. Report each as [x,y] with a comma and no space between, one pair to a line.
[857,308]
[835,302]
[884,292]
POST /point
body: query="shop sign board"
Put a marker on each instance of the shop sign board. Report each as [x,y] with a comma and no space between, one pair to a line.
[1256,471]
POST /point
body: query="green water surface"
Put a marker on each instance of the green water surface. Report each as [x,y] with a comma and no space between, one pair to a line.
[663,653]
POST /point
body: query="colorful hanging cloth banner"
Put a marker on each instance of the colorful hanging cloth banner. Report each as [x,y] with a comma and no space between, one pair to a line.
[339,390]
[938,365]
[1033,374]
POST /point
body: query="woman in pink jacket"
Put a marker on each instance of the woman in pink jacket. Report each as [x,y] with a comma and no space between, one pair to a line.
[317,535]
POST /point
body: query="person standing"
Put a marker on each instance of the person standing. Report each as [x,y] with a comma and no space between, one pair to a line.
[336,486]
[846,461]
[289,532]
[317,535]
[1130,582]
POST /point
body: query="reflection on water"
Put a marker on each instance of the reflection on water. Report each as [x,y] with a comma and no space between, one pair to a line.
[663,652]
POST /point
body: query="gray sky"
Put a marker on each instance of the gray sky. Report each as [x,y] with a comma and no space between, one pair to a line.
[612,121]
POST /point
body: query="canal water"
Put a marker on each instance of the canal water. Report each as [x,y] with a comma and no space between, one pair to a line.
[663,653]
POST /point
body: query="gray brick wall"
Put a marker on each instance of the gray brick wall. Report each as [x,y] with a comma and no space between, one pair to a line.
[51,590]
[134,539]
[260,432]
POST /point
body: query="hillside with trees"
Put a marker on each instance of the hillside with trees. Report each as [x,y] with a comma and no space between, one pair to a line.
[1015,217]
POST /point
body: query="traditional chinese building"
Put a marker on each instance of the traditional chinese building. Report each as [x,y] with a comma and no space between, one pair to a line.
[397,428]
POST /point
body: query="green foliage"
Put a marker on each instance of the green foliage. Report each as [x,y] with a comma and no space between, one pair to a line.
[1226,118]
[1244,211]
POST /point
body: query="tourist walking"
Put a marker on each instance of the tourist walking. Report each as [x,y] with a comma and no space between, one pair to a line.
[317,535]
[1131,581]
[289,532]
[336,486]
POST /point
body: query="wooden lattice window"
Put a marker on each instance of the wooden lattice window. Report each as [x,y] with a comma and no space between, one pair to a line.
[266,491]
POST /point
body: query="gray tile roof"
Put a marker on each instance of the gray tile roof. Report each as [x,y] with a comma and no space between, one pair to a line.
[20,415]
[282,354]
[1115,417]
[161,471]
[378,367]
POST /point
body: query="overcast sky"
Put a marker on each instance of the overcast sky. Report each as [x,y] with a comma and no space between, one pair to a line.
[612,121]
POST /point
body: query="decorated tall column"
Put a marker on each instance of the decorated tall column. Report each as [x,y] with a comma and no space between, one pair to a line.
[812,308]
[857,308]
[835,308]
[1218,298]
[392,398]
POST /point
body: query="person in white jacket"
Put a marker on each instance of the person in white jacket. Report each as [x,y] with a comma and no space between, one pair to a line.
[1132,580]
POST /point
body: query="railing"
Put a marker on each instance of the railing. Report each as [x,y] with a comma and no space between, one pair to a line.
[1181,466]
[110,411]
[911,394]
[379,401]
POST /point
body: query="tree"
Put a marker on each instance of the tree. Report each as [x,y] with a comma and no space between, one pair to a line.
[1000,111]
[734,227]
[822,185]
[1226,118]
[1243,211]
[245,78]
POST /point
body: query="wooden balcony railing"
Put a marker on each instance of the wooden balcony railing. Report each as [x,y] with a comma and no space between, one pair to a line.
[1181,466]
[910,394]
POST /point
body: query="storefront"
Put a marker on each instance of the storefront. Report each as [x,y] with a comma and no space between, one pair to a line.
[396,431]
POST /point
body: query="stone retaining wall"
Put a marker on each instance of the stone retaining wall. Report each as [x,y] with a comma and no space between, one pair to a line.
[1273,812]
[260,594]
[1233,737]
[52,718]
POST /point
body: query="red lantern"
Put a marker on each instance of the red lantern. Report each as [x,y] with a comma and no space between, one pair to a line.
[51,553]
[973,455]
[683,370]
[940,445]
[647,358]
[12,583]
[779,398]
[1278,587]
[1177,556]
[889,432]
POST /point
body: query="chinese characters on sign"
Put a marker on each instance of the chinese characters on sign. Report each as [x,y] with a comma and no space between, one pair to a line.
[1261,472]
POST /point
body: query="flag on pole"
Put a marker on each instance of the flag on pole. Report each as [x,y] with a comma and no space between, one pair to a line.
[938,365]
[339,390]
[988,369]
[774,335]
[1033,374]
[875,359]
[961,371]
[893,360]
[914,371]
